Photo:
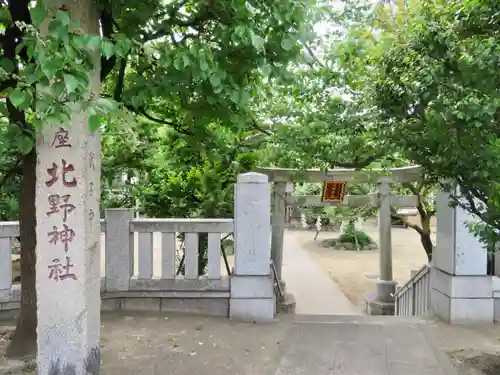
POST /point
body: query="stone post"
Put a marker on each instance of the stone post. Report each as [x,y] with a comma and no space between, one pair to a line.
[252,285]
[461,290]
[278,226]
[382,303]
[68,234]
[384,229]
[119,249]
[5,267]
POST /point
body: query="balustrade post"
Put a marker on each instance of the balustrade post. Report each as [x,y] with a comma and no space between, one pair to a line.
[252,285]
[5,267]
[119,249]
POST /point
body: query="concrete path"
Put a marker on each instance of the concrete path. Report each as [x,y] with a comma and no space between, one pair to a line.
[341,345]
[159,344]
[314,291]
[362,346]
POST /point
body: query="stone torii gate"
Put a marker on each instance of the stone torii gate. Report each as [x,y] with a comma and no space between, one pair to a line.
[382,301]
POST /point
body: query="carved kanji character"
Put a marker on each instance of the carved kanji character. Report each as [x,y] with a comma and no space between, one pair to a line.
[58,271]
[61,138]
[65,236]
[58,203]
[92,160]
[53,172]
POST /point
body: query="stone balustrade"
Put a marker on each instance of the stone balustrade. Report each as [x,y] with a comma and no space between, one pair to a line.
[145,265]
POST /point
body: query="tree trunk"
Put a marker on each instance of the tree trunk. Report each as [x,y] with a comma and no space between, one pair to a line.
[425,239]
[24,340]
[425,236]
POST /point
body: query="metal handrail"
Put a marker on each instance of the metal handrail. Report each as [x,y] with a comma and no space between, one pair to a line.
[422,272]
[413,298]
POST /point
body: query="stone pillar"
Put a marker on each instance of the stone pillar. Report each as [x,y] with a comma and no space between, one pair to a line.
[382,303]
[278,226]
[252,284]
[461,291]
[5,267]
[384,229]
[119,249]
[68,234]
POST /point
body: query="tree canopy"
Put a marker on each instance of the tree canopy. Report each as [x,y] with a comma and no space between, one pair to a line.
[194,92]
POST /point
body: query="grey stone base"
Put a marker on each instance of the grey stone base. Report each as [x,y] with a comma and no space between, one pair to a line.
[133,301]
[201,306]
[287,305]
[385,290]
[373,306]
[14,366]
[256,310]
[462,299]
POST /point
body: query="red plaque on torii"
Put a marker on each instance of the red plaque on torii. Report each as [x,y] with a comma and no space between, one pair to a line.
[333,191]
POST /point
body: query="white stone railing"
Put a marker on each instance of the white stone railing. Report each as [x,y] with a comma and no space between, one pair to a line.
[9,292]
[141,258]
[413,298]
[145,254]
[8,230]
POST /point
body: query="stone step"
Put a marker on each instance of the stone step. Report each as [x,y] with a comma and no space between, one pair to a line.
[360,319]
[287,306]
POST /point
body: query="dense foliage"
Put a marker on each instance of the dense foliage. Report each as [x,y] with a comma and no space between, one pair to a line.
[194,92]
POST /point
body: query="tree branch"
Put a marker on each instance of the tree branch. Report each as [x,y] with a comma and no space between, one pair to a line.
[356,164]
[107,22]
[19,12]
[120,80]
[313,55]
[407,223]
[175,126]
[256,126]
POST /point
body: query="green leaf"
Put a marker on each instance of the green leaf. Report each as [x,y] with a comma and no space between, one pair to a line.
[30,74]
[93,42]
[19,98]
[25,144]
[105,104]
[204,66]
[94,122]
[38,13]
[3,109]
[7,65]
[235,97]
[71,83]
[258,42]
[63,17]
[287,44]
[177,63]
[123,46]
[5,17]
[58,29]
[215,80]
[52,66]
[266,69]
[107,48]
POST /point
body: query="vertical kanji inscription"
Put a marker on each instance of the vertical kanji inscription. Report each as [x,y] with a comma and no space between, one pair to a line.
[55,174]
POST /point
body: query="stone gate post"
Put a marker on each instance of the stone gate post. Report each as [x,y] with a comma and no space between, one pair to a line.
[252,285]
[461,290]
[382,302]
[278,227]
[68,234]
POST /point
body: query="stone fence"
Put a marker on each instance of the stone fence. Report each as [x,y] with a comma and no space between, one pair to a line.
[144,266]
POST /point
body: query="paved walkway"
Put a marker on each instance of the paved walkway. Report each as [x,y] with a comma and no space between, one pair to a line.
[341,345]
[314,291]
